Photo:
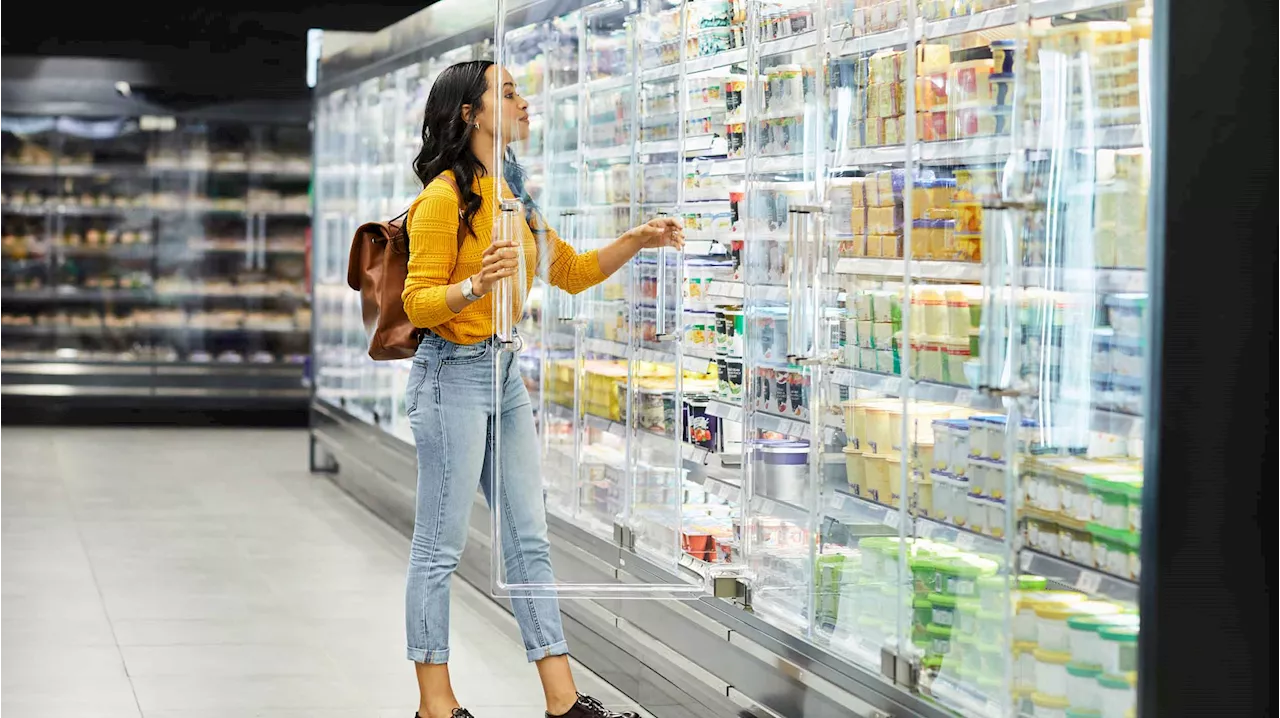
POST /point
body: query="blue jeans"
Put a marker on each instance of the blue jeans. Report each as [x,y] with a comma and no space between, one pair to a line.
[451,409]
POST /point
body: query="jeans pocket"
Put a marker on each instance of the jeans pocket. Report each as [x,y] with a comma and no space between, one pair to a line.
[417,380]
[467,353]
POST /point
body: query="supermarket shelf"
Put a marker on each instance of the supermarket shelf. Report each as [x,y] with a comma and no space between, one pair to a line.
[802,41]
[665,72]
[606,153]
[720,167]
[54,331]
[1052,8]
[609,426]
[1081,578]
[693,360]
[962,538]
[996,17]
[658,147]
[140,295]
[727,410]
[82,295]
[70,367]
[242,248]
[1098,279]
[722,481]
[920,269]
[606,346]
[722,59]
[893,385]
[765,506]
[769,421]
[782,164]
[866,511]
[606,84]
[145,170]
[726,289]
[843,45]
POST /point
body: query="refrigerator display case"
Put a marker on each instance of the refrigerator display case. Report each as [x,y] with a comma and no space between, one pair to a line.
[155,258]
[886,410]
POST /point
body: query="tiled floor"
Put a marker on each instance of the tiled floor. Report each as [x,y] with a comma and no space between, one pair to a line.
[166,573]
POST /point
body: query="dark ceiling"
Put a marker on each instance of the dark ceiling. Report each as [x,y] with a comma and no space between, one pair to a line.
[260,47]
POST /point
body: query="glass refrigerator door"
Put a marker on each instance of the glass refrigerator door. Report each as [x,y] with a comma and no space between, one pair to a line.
[625,395]
[28,203]
[784,434]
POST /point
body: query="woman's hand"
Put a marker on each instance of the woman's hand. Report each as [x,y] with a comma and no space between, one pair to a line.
[498,263]
[657,233]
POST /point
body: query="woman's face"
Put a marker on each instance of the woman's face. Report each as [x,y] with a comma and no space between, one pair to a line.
[515,110]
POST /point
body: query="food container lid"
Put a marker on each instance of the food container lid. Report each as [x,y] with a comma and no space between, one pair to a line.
[1084,670]
[1025,582]
[937,631]
[1117,681]
[944,182]
[1036,598]
[1095,622]
[1002,76]
[939,599]
[968,566]
[1083,713]
[1119,634]
[1056,657]
[985,614]
[968,606]
[851,449]
[921,602]
[1047,701]
[1003,44]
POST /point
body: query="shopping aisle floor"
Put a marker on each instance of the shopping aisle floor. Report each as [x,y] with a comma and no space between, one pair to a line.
[190,573]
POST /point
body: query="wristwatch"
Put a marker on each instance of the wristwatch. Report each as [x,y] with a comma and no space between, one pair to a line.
[465,286]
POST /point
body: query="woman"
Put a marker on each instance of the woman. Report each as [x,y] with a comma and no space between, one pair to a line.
[450,393]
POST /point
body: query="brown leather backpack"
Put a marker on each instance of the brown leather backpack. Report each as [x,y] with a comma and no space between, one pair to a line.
[377,268]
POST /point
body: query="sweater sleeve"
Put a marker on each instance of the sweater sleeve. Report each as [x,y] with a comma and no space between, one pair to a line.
[569,270]
[433,253]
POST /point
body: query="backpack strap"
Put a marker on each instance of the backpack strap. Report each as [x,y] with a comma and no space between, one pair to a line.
[462,225]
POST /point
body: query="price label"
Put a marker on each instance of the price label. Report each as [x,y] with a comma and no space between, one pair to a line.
[1024,560]
[1088,582]
[767,506]
[964,541]
[925,529]
[892,519]
[695,364]
[964,398]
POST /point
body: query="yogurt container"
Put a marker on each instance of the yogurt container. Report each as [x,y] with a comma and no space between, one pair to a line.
[784,469]
[1024,621]
[1117,695]
[958,575]
[1119,648]
[1083,639]
[1051,673]
[1052,631]
[1082,686]
[1049,706]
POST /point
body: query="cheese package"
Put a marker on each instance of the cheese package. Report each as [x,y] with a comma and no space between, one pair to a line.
[873,245]
[893,130]
[931,91]
[891,246]
[858,190]
[884,66]
[885,220]
[970,82]
[884,187]
[932,58]
[858,220]
[855,246]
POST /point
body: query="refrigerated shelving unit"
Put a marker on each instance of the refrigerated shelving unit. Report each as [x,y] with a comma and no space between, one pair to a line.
[880,431]
[155,260]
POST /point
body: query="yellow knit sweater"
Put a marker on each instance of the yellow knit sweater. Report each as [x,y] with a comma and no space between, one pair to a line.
[436,261]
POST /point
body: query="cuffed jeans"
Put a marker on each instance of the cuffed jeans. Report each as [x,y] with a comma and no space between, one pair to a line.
[450,403]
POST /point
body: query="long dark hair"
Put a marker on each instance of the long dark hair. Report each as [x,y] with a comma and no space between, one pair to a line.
[446,137]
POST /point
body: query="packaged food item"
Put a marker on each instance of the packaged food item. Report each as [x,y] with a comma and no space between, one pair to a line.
[1024,622]
[1119,644]
[855,469]
[1048,706]
[1082,686]
[1117,694]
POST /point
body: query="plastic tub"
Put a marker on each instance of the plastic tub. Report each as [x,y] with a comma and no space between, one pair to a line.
[1074,712]
[994,590]
[1024,666]
[958,575]
[991,659]
[1051,673]
[923,491]
[1049,706]
[996,514]
[966,616]
[939,640]
[1043,536]
[944,610]
[855,469]
[1082,686]
[977,513]
[1024,621]
[1116,695]
[990,627]
[1083,639]
[921,612]
[1119,648]
[1110,503]
[876,472]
